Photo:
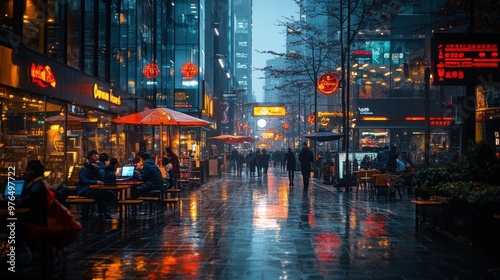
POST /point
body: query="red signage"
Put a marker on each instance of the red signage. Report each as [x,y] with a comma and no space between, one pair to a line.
[362,53]
[328,83]
[151,70]
[461,59]
[42,76]
[189,70]
[311,119]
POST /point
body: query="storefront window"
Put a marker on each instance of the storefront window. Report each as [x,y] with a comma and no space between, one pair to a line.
[7,14]
[22,129]
[373,139]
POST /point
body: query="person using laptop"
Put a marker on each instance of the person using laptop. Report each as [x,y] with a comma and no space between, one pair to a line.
[150,175]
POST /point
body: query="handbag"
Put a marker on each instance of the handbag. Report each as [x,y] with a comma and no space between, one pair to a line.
[62,227]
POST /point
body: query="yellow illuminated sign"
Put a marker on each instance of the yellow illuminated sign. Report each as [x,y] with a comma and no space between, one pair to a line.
[329,114]
[106,96]
[269,111]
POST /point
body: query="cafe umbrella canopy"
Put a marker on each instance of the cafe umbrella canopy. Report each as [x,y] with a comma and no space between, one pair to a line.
[161,117]
[233,139]
[322,136]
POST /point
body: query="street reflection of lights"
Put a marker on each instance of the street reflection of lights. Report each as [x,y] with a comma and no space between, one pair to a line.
[193,206]
[388,73]
[373,71]
[397,79]
[381,67]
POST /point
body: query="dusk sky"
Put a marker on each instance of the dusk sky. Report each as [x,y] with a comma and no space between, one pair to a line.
[267,35]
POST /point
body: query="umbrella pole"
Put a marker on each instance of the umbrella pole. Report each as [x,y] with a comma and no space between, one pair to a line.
[161,143]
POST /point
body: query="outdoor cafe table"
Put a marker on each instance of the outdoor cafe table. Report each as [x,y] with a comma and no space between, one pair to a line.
[123,187]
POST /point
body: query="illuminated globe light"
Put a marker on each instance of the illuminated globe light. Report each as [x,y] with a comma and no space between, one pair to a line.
[261,123]
[189,70]
[328,83]
[151,71]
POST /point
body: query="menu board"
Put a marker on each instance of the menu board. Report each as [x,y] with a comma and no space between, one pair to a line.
[462,59]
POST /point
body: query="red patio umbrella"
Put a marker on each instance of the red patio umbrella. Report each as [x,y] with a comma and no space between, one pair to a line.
[161,117]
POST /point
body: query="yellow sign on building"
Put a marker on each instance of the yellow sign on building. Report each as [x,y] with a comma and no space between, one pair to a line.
[269,111]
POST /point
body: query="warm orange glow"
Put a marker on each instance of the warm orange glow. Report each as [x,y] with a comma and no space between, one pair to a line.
[286,126]
[375,118]
[311,119]
[189,70]
[42,76]
[414,119]
[328,83]
[151,70]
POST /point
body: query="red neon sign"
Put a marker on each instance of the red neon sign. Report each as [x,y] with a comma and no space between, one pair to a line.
[459,59]
[328,83]
[42,76]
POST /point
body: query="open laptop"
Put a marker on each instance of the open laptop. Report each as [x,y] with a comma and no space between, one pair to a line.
[127,173]
[13,188]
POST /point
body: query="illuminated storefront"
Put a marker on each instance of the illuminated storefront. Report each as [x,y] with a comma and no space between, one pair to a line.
[55,114]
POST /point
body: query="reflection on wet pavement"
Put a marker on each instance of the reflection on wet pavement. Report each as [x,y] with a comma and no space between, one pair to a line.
[240,227]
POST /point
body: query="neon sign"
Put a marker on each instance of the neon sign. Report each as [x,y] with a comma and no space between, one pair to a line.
[328,83]
[42,76]
[460,59]
[106,96]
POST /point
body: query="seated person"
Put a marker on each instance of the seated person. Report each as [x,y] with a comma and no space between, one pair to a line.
[91,175]
[169,171]
[34,195]
[150,175]
[110,171]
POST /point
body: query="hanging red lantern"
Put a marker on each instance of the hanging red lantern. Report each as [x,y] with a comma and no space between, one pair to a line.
[189,70]
[151,70]
[286,126]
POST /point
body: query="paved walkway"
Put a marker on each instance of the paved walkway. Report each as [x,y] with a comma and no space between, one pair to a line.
[239,227]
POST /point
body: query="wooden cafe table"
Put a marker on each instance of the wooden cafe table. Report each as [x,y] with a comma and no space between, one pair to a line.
[123,188]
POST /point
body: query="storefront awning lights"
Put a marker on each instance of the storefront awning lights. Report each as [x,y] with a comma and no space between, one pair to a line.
[375,118]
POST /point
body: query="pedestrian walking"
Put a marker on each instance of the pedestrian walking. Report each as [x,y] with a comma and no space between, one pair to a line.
[290,165]
[306,158]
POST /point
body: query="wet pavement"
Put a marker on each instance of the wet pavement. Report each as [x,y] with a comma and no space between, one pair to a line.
[241,227]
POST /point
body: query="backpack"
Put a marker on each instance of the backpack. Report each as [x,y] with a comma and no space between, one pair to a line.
[62,228]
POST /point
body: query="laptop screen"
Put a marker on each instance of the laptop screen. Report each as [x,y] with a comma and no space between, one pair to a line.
[14,187]
[128,171]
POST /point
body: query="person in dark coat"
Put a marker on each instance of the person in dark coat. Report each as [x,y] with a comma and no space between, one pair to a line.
[265,161]
[392,160]
[90,174]
[174,160]
[34,195]
[110,171]
[251,162]
[306,158]
[259,161]
[290,165]
[150,175]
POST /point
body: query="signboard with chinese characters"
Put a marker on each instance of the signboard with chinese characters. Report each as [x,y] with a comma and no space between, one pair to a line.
[185,99]
[461,59]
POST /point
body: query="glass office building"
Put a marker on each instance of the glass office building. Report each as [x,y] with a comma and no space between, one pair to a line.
[70,67]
